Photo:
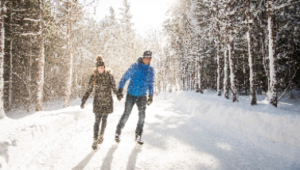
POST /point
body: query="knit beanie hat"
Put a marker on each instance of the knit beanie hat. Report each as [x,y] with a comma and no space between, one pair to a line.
[147,54]
[99,61]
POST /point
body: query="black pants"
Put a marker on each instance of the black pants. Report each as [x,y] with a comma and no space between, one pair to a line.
[129,103]
[97,123]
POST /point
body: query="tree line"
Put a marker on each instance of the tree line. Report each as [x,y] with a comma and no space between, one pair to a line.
[48,49]
[238,46]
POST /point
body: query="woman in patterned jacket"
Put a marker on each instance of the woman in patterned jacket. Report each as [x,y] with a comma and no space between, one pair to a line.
[103,84]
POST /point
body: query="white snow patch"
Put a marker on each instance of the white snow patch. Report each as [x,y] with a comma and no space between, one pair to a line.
[274,123]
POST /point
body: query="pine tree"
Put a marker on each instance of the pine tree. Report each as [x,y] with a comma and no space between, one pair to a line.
[127,34]
[112,15]
[126,15]
[287,46]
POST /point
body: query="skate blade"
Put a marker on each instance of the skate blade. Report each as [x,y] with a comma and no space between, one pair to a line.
[139,143]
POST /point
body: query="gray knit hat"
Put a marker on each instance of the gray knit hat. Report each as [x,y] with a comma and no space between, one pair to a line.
[147,54]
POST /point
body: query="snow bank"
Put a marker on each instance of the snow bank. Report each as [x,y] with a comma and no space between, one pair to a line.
[29,134]
[277,124]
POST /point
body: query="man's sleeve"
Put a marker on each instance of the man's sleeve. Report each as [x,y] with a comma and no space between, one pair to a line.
[128,74]
[151,82]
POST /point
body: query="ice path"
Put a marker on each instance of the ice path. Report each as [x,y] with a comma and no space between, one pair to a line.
[174,139]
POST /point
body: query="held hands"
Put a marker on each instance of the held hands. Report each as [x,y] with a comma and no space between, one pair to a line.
[120,94]
[150,100]
[119,97]
[82,106]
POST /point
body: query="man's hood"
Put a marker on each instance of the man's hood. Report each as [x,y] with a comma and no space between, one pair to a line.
[140,60]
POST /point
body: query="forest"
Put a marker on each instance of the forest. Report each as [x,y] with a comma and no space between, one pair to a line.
[230,47]
[246,47]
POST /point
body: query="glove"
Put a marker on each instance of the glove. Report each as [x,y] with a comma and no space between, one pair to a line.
[82,106]
[150,100]
[120,94]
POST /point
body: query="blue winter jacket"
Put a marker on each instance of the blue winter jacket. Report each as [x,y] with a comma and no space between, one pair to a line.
[141,79]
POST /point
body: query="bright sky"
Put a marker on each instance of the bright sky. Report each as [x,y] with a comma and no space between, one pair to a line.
[146,14]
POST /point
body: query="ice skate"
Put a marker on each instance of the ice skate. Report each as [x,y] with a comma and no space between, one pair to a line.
[117,138]
[138,139]
[101,138]
[95,142]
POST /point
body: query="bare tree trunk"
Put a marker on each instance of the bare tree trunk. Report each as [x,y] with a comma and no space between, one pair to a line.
[165,83]
[180,77]
[230,46]
[272,56]
[70,57]
[40,60]
[29,75]
[199,77]
[226,74]
[232,70]
[186,79]
[159,86]
[265,64]
[226,54]
[218,52]
[190,81]
[10,73]
[251,57]
[2,113]
[163,78]
[244,73]
[193,76]
[8,57]
[187,82]
[171,86]
[219,71]
[183,83]
[183,78]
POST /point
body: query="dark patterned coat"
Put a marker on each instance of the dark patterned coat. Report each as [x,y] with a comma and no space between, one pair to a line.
[103,101]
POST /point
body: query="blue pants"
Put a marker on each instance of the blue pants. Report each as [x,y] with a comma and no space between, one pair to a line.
[129,103]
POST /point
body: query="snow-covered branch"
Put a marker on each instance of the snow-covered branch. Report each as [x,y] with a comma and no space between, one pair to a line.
[286,5]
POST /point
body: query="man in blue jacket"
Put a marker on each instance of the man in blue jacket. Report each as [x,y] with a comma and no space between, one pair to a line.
[141,76]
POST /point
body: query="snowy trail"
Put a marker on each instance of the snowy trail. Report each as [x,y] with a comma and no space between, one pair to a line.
[174,139]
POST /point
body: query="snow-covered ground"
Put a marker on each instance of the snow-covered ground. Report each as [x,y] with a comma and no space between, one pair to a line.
[183,130]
